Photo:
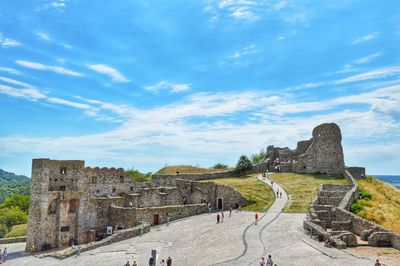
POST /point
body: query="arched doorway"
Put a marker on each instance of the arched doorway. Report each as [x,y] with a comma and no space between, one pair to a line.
[220,205]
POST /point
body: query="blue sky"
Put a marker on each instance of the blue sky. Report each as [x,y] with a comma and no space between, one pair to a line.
[148,83]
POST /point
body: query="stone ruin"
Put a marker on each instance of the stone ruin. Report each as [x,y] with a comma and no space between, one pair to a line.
[329,217]
[323,153]
[70,202]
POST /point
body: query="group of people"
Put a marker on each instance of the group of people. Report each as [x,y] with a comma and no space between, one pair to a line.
[267,262]
[3,255]
[278,193]
[220,218]
[163,262]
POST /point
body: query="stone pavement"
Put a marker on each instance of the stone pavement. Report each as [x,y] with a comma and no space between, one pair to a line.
[254,245]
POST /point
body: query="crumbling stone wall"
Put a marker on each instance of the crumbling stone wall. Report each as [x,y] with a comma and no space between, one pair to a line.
[323,153]
[69,201]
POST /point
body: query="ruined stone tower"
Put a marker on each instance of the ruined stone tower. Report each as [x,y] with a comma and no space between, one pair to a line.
[323,153]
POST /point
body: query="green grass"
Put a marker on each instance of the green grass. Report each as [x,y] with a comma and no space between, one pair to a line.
[303,188]
[260,195]
[17,230]
[187,169]
[384,206]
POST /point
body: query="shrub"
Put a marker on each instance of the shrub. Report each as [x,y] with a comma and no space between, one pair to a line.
[20,201]
[356,207]
[220,166]
[364,195]
[138,176]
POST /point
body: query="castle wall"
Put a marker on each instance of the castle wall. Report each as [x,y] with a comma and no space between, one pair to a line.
[325,154]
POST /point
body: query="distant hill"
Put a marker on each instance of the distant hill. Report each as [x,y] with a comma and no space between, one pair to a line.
[11,183]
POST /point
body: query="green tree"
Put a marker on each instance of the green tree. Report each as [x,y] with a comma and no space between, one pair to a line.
[16,200]
[139,176]
[257,158]
[243,164]
[12,216]
[220,166]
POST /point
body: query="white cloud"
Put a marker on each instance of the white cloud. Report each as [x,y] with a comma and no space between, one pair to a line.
[44,36]
[52,4]
[240,57]
[367,59]
[41,67]
[373,74]
[16,82]
[30,94]
[365,38]
[107,70]
[66,46]
[169,86]
[280,5]
[69,103]
[7,42]
[239,9]
[9,70]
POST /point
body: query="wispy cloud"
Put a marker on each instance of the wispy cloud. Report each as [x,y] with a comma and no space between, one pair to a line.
[365,38]
[52,4]
[373,74]
[9,70]
[44,36]
[42,67]
[16,82]
[239,9]
[239,57]
[109,71]
[66,46]
[7,42]
[30,94]
[367,59]
[168,86]
[69,103]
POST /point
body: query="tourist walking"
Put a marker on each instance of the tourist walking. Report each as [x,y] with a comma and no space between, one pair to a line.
[377,263]
[262,261]
[280,193]
[222,216]
[151,261]
[218,217]
[269,261]
[256,218]
[277,193]
[162,263]
[4,255]
[209,208]
[230,212]
[127,264]
[169,261]
[134,263]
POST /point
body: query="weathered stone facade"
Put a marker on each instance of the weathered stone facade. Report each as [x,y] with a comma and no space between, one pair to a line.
[71,202]
[329,217]
[323,153]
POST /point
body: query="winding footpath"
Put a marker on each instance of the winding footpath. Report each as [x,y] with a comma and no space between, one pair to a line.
[255,247]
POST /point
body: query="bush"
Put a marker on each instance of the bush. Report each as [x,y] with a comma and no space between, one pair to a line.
[138,176]
[220,166]
[356,207]
[20,201]
[259,157]
[364,195]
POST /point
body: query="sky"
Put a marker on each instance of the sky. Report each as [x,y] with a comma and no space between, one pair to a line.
[146,84]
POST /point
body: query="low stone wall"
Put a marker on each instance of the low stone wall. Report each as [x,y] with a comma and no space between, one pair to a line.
[165,179]
[379,239]
[356,172]
[352,195]
[319,232]
[174,212]
[115,237]
[10,240]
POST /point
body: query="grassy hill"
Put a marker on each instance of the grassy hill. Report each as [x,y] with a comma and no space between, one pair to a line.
[384,206]
[258,193]
[11,183]
[303,188]
[187,169]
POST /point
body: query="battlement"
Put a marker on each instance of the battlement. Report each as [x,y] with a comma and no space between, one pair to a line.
[104,170]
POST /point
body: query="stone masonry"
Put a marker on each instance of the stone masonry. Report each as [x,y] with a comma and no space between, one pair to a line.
[322,153]
[70,202]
